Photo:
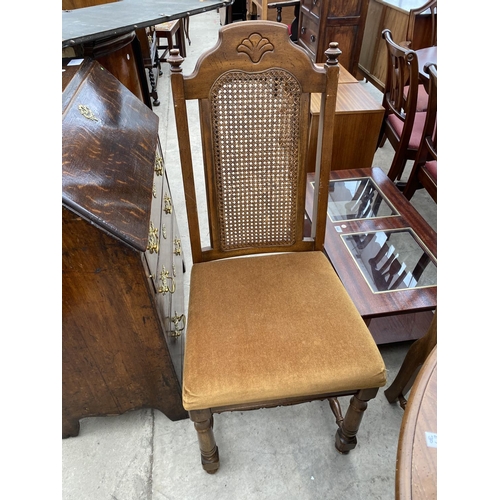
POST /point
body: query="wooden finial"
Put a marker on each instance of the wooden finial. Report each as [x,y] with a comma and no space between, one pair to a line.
[175,61]
[332,54]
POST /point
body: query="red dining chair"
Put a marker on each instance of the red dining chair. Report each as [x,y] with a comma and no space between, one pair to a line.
[424,172]
[402,124]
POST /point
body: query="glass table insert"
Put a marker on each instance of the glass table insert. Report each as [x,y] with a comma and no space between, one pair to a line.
[357,198]
[391,260]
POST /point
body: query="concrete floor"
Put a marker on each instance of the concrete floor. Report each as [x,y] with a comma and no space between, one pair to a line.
[281,453]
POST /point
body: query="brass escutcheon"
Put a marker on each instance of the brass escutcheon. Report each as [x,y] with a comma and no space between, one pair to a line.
[164,277]
[86,112]
[164,231]
[153,240]
[154,190]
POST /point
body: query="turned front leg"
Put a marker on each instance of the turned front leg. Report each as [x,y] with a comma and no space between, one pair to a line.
[203,423]
[345,438]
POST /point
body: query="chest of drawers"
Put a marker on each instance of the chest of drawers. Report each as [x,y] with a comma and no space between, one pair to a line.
[123,321]
[325,21]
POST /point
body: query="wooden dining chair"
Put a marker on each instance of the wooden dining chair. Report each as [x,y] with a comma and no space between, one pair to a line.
[269,323]
[422,32]
[402,124]
[424,171]
[422,26]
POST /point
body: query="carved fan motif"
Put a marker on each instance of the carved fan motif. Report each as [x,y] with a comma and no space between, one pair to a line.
[255,46]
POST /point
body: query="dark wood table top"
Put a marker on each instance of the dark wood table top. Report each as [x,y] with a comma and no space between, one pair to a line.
[428,55]
[100,21]
[416,465]
[391,302]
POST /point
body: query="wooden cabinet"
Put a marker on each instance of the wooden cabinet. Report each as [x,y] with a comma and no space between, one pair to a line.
[325,21]
[123,303]
[393,15]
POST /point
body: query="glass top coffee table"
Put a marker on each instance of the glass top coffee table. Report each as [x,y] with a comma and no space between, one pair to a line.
[382,249]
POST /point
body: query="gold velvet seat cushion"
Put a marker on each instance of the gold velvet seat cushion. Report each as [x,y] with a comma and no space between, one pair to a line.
[271,327]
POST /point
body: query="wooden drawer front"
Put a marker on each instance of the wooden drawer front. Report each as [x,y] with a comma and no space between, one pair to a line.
[165,281]
[154,236]
[345,8]
[309,34]
[313,6]
[170,296]
[177,317]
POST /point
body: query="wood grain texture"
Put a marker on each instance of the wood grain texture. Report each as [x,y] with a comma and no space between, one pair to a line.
[325,21]
[103,159]
[117,349]
[358,118]
[114,356]
[393,15]
[416,465]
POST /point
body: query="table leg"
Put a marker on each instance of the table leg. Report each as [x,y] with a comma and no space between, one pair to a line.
[415,358]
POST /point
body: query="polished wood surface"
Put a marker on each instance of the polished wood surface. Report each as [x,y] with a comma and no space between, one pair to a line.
[393,15]
[416,465]
[118,353]
[85,146]
[372,305]
[122,56]
[325,21]
[358,118]
[427,55]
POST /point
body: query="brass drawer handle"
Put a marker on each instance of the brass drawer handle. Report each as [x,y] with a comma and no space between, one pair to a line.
[313,38]
[154,190]
[179,325]
[164,277]
[153,240]
[167,204]
[302,30]
[177,246]
[164,231]
[159,165]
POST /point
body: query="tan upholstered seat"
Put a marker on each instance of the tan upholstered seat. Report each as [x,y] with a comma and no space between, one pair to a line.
[269,323]
[254,309]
